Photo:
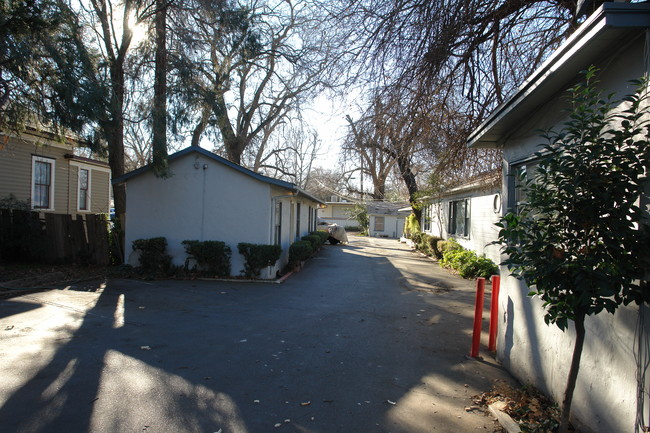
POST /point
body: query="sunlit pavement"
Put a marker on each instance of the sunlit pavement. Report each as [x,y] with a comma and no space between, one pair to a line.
[368,337]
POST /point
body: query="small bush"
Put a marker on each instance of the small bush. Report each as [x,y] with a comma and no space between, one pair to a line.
[258,256]
[153,254]
[427,244]
[416,237]
[314,240]
[468,263]
[432,246]
[299,251]
[449,245]
[211,256]
[323,235]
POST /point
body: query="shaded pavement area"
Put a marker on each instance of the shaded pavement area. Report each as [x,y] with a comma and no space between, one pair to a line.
[368,337]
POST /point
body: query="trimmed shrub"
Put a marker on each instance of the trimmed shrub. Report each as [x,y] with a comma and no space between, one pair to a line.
[315,241]
[258,256]
[211,256]
[432,246]
[468,264]
[448,245]
[153,254]
[416,237]
[322,234]
[299,251]
[427,244]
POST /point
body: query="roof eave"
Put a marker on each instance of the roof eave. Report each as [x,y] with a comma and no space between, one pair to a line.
[587,43]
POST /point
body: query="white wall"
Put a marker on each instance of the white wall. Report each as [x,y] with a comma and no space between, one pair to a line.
[482,219]
[606,392]
[393,226]
[216,203]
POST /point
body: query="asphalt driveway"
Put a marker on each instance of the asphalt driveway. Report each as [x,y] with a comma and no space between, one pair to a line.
[369,337]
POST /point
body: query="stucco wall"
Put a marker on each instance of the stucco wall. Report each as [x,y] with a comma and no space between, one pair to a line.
[393,226]
[212,203]
[482,220]
[215,203]
[606,392]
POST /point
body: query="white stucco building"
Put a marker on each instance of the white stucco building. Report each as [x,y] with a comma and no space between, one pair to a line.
[386,219]
[611,394]
[467,212]
[207,197]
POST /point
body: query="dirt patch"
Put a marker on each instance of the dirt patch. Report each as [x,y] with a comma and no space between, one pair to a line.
[527,406]
[16,278]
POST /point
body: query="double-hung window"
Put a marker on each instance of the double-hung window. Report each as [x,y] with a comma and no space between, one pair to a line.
[520,173]
[278,223]
[297,220]
[426,218]
[84,189]
[379,224]
[459,218]
[42,183]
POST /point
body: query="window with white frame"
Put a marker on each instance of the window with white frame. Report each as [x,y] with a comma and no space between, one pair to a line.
[297,220]
[521,173]
[426,218]
[43,183]
[379,224]
[84,189]
[278,223]
[459,218]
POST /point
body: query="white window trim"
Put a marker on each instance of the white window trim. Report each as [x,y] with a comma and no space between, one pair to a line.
[467,220]
[90,183]
[91,168]
[52,161]
[383,224]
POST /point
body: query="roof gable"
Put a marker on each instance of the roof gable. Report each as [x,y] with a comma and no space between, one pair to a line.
[214,157]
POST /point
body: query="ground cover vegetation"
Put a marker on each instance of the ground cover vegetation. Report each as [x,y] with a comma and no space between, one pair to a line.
[579,240]
[451,255]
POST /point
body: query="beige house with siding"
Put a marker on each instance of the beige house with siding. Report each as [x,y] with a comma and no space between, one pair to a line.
[37,168]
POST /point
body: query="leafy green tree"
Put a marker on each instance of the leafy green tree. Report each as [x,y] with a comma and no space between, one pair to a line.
[359,213]
[580,241]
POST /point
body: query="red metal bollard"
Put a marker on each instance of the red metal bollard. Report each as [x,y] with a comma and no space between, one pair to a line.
[478,316]
[494,313]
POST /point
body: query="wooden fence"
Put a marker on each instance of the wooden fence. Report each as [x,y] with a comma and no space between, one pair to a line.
[53,238]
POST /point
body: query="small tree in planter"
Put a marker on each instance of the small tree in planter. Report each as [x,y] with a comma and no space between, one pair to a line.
[580,242]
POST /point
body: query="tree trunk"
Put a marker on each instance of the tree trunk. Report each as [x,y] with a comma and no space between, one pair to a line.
[159,145]
[404,165]
[573,373]
[200,127]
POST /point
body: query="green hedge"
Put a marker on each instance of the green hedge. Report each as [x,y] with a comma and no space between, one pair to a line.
[299,251]
[322,234]
[427,244]
[315,241]
[211,256]
[258,256]
[468,263]
[153,254]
